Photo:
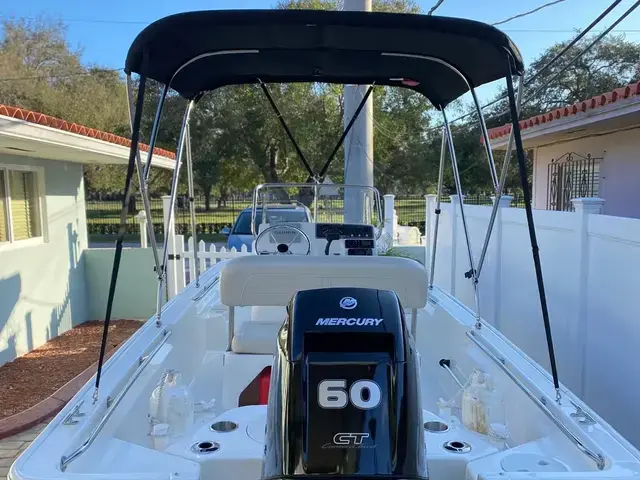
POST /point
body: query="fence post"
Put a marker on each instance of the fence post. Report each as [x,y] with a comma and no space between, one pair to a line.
[389,214]
[202,254]
[583,207]
[170,235]
[179,263]
[141,218]
[430,206]
[455,202]
[505,202]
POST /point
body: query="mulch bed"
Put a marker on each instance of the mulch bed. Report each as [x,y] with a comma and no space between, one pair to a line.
[35,376]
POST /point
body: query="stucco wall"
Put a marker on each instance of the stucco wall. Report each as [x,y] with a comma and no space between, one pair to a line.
[42,284]
[137,285]
[620,170]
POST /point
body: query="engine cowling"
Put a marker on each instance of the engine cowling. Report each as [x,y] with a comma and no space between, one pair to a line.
[344,397]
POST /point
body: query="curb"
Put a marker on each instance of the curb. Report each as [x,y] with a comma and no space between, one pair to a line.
[50,406]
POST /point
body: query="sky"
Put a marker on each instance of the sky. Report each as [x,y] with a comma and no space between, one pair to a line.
[105,30]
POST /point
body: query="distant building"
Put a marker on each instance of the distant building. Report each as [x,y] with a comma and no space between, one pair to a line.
[588,149]
[43,224]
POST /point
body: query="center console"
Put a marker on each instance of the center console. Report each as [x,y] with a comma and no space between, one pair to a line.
[354,239]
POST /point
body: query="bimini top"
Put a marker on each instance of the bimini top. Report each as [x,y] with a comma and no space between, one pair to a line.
[199,51]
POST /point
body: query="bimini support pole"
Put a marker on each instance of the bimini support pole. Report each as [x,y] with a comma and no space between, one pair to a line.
[515,126]
[142,172]
[443,147]
[135,137]
[192,207]
[154,134]
[500,190]
[172,201]
[456,175]
[485,136]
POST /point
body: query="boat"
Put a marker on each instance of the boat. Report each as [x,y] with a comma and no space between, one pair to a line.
[315,356]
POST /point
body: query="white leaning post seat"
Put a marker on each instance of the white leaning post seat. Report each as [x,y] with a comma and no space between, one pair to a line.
[271,280]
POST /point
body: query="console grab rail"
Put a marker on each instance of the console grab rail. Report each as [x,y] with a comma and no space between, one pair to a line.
[66,460]
[598,458]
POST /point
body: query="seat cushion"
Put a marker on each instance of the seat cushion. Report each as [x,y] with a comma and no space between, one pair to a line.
[256,337]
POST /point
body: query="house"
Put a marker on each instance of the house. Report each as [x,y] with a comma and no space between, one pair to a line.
[588,149]
[43,227]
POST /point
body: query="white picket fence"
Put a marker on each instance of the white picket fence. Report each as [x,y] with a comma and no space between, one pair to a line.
[181,267]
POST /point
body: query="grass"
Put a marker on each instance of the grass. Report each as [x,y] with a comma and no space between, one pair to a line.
[135,238]
[101,212]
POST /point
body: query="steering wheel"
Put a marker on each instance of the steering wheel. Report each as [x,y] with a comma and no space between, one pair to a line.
[284,238]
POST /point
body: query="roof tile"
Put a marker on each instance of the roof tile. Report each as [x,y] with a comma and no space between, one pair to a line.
[57,123]
[597,101]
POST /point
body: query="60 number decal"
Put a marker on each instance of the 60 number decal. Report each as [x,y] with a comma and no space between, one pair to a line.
[333,394]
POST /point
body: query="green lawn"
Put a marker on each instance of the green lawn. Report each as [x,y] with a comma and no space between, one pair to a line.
[409,210]
[135,238]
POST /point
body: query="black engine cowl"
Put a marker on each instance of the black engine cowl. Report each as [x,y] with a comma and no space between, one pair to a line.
[344,397]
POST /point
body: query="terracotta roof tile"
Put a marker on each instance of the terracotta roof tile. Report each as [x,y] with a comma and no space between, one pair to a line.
[53,122]
[582,106]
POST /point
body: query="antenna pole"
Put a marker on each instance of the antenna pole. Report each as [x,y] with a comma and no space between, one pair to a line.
[358,151]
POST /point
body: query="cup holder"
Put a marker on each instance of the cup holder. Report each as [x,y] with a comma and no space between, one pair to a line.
[436,427]
[224,426]
[205,447]
[456,446]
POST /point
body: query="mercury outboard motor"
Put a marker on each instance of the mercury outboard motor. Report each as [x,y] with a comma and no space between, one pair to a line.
[344,397]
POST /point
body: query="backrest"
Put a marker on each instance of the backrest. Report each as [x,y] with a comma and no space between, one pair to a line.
[270,280]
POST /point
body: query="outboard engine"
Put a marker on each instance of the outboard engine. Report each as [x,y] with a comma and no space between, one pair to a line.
[344,397]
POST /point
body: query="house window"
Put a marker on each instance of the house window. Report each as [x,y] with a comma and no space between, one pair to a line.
[572,175]
[20,216]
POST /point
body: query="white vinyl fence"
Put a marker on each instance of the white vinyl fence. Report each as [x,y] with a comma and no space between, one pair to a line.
[590,265]
[182,268]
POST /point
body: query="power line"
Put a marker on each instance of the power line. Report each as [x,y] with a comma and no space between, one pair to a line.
[587,48]
[338,7]
[86,20]
[524,14]
[577,39]
[45,77]
[530,97]
[557,57]
[433,9]
[533,30]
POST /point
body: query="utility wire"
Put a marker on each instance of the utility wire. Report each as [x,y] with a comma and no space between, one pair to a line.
[573,60]
[520,15]
[587,48]
[86,20]
[574,41]
[556,58]
[45,77]
[433,9]
[338,7]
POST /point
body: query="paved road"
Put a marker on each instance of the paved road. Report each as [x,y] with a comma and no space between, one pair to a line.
[13,446]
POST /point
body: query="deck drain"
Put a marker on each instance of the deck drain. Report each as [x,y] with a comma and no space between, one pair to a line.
[224,426]
[436,427]
[205,447]
[457,446]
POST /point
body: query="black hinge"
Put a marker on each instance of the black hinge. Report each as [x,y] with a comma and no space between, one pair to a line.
[174,257]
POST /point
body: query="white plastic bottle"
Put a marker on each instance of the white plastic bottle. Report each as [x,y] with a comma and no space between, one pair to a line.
[171,403]
[474,406]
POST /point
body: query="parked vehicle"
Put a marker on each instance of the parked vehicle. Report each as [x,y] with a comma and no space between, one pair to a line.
[241,234]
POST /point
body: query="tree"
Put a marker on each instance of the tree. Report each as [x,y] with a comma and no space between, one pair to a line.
[50,78]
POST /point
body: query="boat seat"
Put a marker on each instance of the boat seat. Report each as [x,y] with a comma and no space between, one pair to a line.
[272,280]
[256,338]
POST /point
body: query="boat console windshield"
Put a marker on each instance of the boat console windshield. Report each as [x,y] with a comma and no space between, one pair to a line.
[345,219]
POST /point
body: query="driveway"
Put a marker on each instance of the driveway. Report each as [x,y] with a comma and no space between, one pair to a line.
[13,446]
